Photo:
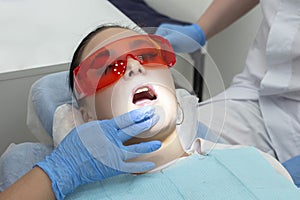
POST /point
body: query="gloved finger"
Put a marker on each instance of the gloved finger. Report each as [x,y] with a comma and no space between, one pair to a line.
[170,26]
[190,45]
[137,128]
[174,41]
[164,30]
[133,117]
[172,38]
[144,147]
[137,167]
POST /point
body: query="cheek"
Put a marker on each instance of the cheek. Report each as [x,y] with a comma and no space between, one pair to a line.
[120,99]
[167,108]
[161,76]
[103,105]
[111,101]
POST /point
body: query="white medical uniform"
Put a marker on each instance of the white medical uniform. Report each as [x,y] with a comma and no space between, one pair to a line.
[263,103]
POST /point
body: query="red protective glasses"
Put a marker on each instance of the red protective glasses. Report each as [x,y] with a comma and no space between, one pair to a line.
[108,64]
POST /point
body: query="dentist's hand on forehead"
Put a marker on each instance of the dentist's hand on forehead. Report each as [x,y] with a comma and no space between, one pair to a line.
[95,151]
[184,38]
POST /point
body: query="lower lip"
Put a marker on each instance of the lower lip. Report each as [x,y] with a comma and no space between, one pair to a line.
[145,102]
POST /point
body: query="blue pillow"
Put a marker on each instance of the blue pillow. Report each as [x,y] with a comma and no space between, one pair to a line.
[47,94]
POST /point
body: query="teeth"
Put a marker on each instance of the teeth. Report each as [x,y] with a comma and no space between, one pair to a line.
[144,89]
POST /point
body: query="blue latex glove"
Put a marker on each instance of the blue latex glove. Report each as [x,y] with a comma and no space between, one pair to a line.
[95,151]
[185,39]
[293,167]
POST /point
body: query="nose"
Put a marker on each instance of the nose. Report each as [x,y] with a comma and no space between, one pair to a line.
[134,67]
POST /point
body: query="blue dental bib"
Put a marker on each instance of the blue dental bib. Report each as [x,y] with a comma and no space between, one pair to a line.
[224,174]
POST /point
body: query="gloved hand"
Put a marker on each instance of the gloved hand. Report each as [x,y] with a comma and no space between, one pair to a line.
[293,167]
[95,151]
[187,38]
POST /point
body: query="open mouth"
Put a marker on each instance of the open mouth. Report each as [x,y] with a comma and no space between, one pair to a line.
[143,94]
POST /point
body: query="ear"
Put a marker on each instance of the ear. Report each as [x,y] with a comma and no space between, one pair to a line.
[86,114]
[180,115]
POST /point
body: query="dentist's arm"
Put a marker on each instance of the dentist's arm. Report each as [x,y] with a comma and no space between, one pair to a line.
[222,13]
[91,152]
[218,16]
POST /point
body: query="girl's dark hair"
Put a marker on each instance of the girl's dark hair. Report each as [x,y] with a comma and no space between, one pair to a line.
[78,53]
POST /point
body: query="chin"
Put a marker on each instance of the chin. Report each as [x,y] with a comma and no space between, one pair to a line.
[165,103]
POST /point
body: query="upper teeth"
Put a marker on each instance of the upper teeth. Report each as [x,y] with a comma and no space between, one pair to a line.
[144,89]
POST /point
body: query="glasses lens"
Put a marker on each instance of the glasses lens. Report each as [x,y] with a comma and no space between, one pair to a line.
[112,73]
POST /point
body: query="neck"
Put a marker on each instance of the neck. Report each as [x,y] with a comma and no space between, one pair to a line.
[170,150]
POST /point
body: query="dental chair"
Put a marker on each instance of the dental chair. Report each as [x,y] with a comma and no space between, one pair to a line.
[236,180]
[51,91]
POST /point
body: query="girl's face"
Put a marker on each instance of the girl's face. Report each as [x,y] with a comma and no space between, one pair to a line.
[141,85]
